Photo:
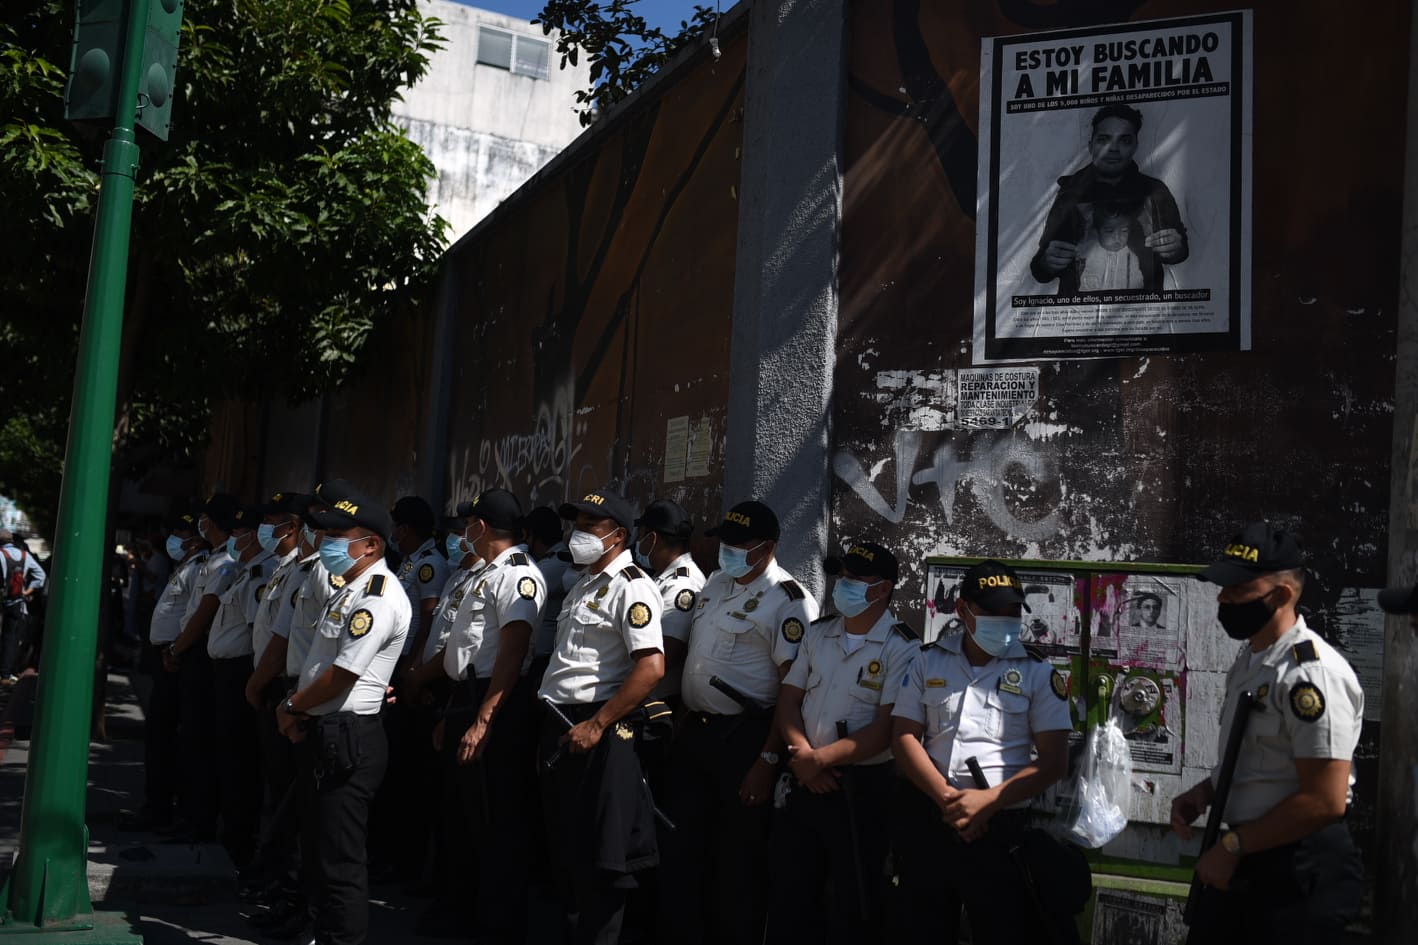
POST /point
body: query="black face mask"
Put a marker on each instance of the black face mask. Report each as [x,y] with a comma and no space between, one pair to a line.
[1244,620]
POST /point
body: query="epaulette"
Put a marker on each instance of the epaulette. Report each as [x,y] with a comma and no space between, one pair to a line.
[681,572]
[375,587]
[309,564]
[631,573]
[201,556]
[255,571]
[1304,651]
[518,559]
[906,631]
[793,591]
[1035,654]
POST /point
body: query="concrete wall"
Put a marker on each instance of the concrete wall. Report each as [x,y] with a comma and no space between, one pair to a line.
[486,129]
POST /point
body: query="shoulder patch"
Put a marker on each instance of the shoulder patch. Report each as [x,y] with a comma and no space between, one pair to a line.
[519,559]
[684,600]
[376,586]
[527,589]
[308,565]
[681,572]
[1059,685]
[255,571]
[360,622]
[1035,654]
[425,573]
[1304,652]
[794,591]
[631,573]
[1306,700]
[906,631]
[202,556]
[793,630]
[638,615]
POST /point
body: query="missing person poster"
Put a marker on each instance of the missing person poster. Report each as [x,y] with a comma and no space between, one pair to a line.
[1114,191]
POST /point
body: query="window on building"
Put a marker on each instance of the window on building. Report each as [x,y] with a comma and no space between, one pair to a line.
[520,55]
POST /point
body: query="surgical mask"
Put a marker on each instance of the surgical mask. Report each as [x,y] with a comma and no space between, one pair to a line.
[454,544]
[335,555]
[585,548]
[995,635]
[642,558]
[308,534]
[266,536]
[1244,620]
[175,551]
[850,596]
[232,547]
[734,561]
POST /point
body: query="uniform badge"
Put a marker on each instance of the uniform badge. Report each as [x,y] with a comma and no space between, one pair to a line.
[458,596]
[602,592]
[639,615]
[527,589]
[1261,693]
[1307,702]
[336,581]
[426,573]
[1059,685]
[751,604]
[935,683]
[684,600]
[261,592]
[793,630]
[622,731]
[1012,681]
[874,667]
[360,622]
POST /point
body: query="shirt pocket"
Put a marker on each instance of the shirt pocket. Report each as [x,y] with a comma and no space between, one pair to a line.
[731,638]
[863,706]
[1008,715]
[1267,729]
[940,705]
[584,628]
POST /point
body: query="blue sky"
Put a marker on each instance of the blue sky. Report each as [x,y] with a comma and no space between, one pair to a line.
[666,14]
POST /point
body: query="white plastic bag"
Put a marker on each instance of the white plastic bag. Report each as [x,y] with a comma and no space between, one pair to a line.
[1104,789]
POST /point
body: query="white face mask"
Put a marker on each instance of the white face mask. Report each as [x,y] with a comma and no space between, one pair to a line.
[585,548]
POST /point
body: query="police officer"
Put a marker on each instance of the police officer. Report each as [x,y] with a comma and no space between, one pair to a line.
[423,568]
[662,548]
[976,694]
[748,622]
[548,549]
[160,747]
[233,720]
[1286,870]
[835,715]
[187,656]
[358,640]
[609,656]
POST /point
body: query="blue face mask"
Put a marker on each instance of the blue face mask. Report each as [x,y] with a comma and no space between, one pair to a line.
[309,535]
[734,561]
[995,635]
[641,558]
[335,554]
[175,551]
[266,536]
[231,547]
[454,544]
[850,596]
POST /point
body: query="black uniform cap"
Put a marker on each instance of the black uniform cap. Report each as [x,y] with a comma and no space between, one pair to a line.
[545,525]
[993,585]
[601,504]
[1259,548]
[413,511]
[747,521]
[287,503]
[498,507]
[864,559]
[221,508]
[346,507]
[667,517]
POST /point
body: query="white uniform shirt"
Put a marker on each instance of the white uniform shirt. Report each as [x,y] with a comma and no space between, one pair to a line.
[851,687]
[1308,705]
[422,575]
[508,589]
[552,568]
[361,629]
[273,602]
[679,584]
[743,633]
[454,590]
[307,606]
[606,617]
[166,625]
[230,636]
[213,578]
[989,712]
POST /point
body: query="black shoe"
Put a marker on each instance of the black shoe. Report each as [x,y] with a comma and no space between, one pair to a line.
[296,926]
[276,914]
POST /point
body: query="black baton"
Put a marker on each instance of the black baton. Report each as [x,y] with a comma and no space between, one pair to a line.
[1218,803]
[556,756]
[977,774]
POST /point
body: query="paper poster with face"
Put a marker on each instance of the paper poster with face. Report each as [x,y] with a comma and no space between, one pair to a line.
[1114,191]
[1052,623]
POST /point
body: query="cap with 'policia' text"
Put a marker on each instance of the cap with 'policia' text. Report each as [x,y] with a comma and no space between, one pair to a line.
[1259,548]
[992,585]
[346,508]
[745,522]
[865,559]
[601,504]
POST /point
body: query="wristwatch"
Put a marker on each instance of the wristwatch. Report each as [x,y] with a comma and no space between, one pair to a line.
[1231,842]
[290,708]
[770,756]
[172,650]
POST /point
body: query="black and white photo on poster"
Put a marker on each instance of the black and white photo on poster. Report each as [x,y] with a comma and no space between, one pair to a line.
[1114,191]
[1053,622]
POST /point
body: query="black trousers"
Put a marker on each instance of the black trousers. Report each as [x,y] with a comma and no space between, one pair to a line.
[717,853]
[234,728]
[813,856]
[199,778]
[1304,893]
[336,822]
[939,874]
[160,745]
[14,639]
[277,856]
[399,828]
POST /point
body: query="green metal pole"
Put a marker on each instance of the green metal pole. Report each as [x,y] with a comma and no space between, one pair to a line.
[49,886]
